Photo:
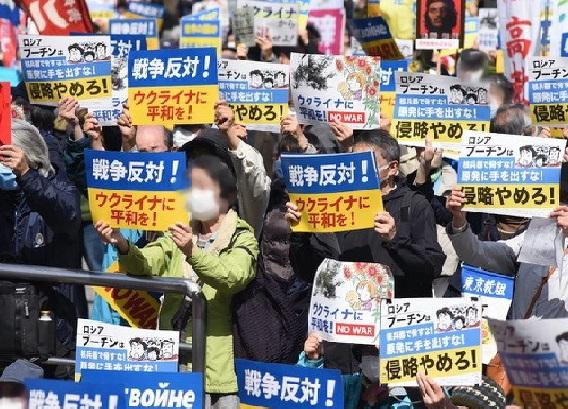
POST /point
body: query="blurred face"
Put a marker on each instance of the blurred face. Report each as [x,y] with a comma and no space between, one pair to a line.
[150,138]
[387,170]
[438,12]
[283,59]
[205,202]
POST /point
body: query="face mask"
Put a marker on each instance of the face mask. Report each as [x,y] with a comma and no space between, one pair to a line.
[203,205]
[7,179]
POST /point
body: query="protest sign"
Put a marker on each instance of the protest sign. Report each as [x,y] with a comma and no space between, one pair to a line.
[137,190]
[138,26]
[278,20]
[471,32]
[55,67]
[257,92]
[5,114]
[510,174]
[548,90]
[331,26]
[152,390]
[438,106]
[535,354]
[346,301]
[439,24]
[388,85]
[102,9]
[218,6]
[336,192]
[146,10]
[440,337]
[495,293]
[197,33]
[288,386]
[243,27]
[46,393]
[519,31]
[173,87]
[375,38]
[327,89]
[107,347]
[488,29]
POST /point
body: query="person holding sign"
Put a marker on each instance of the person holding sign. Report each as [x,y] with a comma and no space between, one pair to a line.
[218,249]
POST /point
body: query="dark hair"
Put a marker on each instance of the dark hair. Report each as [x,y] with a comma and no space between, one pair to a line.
[450,20]
[138,340]
[562,337]
[468,96]
[288,144]
[472,59]
[379,138]
[255,72]
[154,349]
[268,79]
[504,85]
[220,172]
[75,46]
[100,44]
[168,138]
[446,311]
[527,148]
[512,120]
[42,118]
[459,317]
[90,52]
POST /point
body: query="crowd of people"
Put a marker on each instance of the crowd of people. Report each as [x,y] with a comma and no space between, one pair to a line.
[255,273]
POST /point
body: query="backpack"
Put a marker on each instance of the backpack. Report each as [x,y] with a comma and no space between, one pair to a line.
[22,335]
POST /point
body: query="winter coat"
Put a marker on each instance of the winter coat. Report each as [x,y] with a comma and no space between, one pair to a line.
[224,269]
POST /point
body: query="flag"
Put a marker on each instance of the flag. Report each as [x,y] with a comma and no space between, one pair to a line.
[59,17]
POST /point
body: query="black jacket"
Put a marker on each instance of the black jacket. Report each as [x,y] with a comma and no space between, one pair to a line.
[414,255]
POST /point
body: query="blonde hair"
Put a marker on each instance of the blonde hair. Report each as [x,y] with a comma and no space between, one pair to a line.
[371,287]
[359,77]
[27,137]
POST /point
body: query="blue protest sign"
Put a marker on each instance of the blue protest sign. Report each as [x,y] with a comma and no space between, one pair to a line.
[45,393]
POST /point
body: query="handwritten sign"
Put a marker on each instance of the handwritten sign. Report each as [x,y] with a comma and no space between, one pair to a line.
[439,336]
[137,190]
[335,192]
[243,27]
[277,19]
[346,301]
[510,174]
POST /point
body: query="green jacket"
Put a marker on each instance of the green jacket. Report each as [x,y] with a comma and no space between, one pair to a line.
[222,270]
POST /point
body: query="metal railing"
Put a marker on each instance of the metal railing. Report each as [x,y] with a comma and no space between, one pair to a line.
[53,275]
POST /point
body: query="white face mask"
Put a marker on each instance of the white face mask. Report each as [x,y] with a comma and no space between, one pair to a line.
[202,204]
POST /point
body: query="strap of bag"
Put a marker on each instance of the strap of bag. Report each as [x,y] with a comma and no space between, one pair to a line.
[538,292]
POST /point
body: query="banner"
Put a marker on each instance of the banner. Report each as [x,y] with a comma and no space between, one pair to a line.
[107,347]
[438,106]
[197,33]
[277,19]
[548,90]
[495,293]
[331,26]
[46,393]
[55,67]
[439,24]
[173,87]
[138,26]
[440,337]
[510,174]
[327,88]
[488,29]
[375,38]
[137,190]
[388,85]
[243,27]
[346,301]
[535,354]
[519,28]
[58,17]
[289,386]
[150,389]
[337,192]
[257,92]
[5,113]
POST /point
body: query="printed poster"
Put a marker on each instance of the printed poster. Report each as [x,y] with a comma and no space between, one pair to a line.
[510,174]
[374,36]
[243,27]
[278,20]
[488,29]
[535,354]
[440,337]
[221,8]
[331,26]
[107,347]
[151,389]
[471,32]
[336,88]
[438,106]
[137,190]
[47,393]
[337,192]
[173,87]
[146,10]
[5,113]
[55,67]
[257,92]
[138,26]
[495,292]
[200,33]
[439,24]
[548,90]
[102,10]
[346,301]
[288,386]
[388,85]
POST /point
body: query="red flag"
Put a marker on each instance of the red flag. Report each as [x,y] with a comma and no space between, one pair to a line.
[59,17]
[5,114]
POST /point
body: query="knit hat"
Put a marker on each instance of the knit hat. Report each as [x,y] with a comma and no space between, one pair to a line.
[486,395]
[21,370]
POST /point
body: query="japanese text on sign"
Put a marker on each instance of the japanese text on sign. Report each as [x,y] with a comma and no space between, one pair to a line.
[50,394]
